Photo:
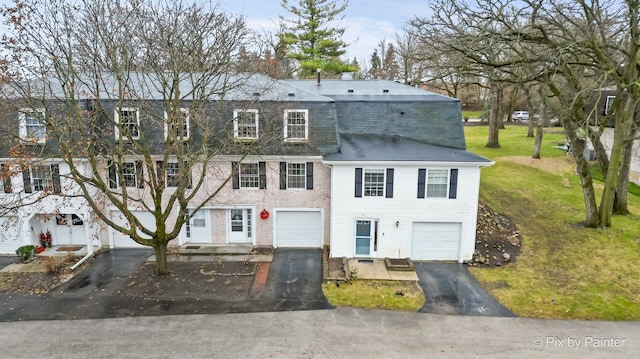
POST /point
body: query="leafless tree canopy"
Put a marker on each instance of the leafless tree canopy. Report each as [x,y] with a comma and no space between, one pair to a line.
[133,83]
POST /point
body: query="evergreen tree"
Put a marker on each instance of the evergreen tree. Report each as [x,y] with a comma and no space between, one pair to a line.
[390,65]
[310,40]
[376,65]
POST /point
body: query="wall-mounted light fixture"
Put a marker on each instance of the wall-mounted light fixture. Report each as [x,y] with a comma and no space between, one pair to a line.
[397,224]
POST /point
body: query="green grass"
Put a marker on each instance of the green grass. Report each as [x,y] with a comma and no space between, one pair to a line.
[471,114]
[375,294]
[564,269]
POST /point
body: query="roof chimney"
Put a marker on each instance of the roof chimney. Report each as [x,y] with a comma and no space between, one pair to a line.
[318,77]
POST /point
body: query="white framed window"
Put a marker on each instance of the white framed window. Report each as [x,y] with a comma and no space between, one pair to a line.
[31,125]
[373,183]
[178,126]
[245,124]
[296,175]
[296,125]
[437,183]
[41,178]
[173,174]
[249,175]
[5,178]
[129,174]
[609,104]
[127,123]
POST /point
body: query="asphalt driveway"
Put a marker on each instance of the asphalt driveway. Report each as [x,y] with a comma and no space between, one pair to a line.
[293,283]
[295,279]
[450,288]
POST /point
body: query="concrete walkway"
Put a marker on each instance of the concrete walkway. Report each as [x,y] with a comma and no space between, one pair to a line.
[338,333]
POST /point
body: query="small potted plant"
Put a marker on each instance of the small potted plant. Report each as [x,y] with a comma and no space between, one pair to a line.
[49,240]
[43,239]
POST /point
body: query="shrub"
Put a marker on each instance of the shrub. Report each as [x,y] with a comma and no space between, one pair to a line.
[25,253]
[54,265]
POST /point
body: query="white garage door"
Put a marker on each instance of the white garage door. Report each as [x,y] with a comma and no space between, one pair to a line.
[123,240]
[435,241]
[299,229]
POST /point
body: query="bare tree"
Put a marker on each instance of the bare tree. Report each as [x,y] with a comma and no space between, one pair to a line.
[134,92]
[411,70]
[571,47]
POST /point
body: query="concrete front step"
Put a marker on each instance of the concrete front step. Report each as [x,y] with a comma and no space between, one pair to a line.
[208,249]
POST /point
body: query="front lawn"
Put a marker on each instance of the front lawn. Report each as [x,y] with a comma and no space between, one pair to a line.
[564,269]
[375,294]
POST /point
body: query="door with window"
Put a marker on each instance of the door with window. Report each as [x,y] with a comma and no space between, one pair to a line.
[198,230]
[240,226]
[366,238]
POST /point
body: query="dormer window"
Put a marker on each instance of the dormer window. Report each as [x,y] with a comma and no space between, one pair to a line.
[296,125]
[608,106]
[127,121]
[177,125]
[245,124]
[32,127]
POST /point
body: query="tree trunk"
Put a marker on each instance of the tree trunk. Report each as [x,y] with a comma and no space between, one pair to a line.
[160,248]
[620,201]
[601,152]
[493,141]
[539,126]
[500,109]
[538,141]
[592,218]
[624,120]
[530,128]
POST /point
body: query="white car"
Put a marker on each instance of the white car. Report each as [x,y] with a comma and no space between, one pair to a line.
[520,116]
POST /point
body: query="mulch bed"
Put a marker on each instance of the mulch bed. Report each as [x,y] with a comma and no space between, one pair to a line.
[336,268]
[194,280]
[39,283]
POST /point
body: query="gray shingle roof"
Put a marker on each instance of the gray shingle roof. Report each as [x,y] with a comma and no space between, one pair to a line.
[368,90]
[394,148]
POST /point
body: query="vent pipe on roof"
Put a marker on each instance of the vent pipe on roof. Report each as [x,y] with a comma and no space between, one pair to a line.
[318,77]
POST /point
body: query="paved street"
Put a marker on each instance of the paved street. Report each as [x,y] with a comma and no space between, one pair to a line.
[335,333]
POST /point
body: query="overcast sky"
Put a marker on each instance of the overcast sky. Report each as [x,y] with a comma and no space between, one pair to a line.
[366,21]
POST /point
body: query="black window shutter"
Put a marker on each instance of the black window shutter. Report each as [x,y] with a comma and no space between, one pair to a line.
[26,179]
[422,176]
[262,175]
[309,175]
[453,183]
[55,178]
[139,174]
[358,182]
[283,175]
[113,182]
[160,172]
[6,178]
[389,183]
[235,174]
[185,168]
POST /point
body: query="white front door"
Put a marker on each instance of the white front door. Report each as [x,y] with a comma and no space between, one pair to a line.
[239,226]
[366,238]
[199,231]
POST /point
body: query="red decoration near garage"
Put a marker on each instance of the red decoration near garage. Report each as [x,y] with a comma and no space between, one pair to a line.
[264,214]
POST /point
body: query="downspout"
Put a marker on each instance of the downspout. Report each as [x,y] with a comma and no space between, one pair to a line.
[89,246]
